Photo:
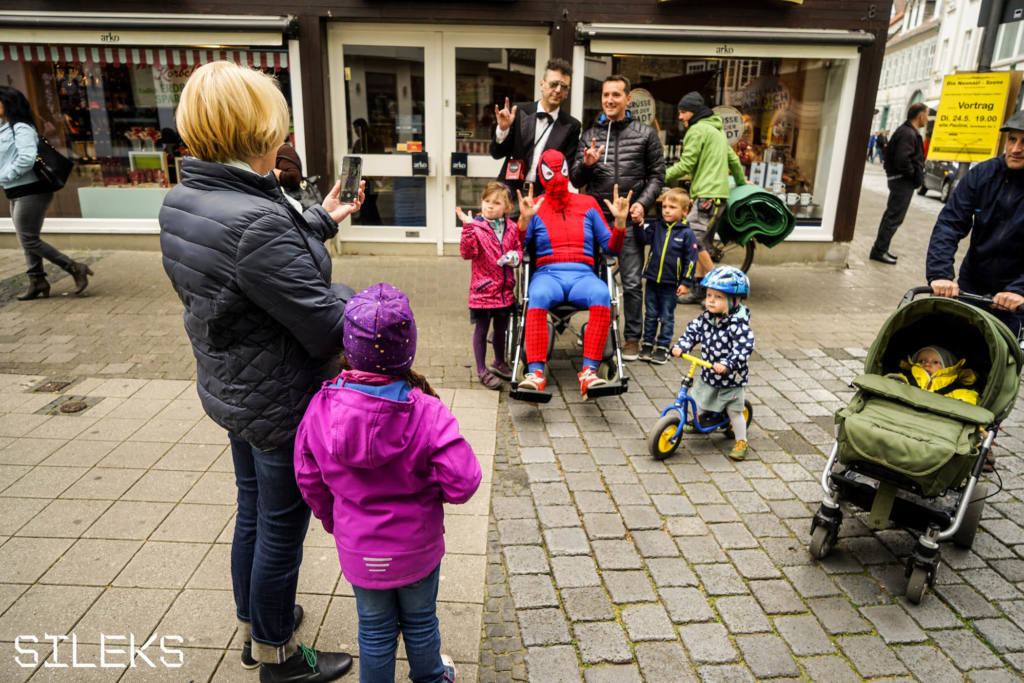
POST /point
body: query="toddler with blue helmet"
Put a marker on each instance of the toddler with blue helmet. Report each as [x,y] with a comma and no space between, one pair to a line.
[726,341]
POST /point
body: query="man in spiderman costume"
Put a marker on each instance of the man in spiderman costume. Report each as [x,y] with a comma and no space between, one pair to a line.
[563,228]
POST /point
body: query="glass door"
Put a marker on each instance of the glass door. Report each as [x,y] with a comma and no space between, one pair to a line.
[484,67]
[387,107]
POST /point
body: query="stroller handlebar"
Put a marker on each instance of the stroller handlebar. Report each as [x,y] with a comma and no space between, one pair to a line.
[962,296]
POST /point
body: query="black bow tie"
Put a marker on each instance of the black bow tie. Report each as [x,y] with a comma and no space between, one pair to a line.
[544,116]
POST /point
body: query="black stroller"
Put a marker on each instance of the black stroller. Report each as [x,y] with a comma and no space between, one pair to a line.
[913,457]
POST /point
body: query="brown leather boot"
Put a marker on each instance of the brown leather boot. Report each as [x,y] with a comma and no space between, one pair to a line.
[37,286]
[81,273]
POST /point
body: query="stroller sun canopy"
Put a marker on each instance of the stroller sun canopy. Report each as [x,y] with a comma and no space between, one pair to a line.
[988,346]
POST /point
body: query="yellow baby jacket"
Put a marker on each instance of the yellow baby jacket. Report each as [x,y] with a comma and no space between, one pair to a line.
[952,381]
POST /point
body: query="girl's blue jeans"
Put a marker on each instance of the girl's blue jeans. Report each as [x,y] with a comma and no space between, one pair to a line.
[267,547]
[411,610]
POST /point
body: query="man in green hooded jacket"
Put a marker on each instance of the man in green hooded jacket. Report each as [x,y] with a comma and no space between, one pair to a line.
[708,160]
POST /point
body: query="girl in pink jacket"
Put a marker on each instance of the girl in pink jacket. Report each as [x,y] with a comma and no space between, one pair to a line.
[376,457]
[491,242]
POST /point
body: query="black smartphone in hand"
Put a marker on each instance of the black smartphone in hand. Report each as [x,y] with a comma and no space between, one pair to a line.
[351,174]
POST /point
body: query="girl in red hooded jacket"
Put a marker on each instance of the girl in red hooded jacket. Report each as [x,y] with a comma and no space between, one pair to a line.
[491,241]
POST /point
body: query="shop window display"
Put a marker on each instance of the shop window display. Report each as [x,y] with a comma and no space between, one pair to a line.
[111,110]
[779,114]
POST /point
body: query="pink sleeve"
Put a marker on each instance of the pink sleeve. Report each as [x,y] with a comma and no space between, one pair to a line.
[517,241]
[468,243]
[310,441]
[453,463]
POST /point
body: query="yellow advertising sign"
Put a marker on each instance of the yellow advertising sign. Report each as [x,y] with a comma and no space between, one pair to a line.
[970,111]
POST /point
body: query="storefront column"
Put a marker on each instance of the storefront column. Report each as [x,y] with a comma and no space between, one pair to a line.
[315,108]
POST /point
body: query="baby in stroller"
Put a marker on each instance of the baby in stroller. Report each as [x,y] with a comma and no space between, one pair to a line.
[934,368]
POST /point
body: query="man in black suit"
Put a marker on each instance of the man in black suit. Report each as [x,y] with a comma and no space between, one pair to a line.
[526,130]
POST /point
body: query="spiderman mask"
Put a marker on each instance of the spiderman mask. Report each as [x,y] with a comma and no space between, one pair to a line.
[553,172]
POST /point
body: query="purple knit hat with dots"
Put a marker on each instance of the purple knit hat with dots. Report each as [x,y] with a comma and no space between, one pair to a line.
[380,331]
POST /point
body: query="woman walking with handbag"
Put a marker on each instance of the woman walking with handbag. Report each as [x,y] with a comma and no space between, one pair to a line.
[30,196]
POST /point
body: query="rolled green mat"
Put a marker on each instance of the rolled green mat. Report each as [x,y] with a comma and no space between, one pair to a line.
[755,213]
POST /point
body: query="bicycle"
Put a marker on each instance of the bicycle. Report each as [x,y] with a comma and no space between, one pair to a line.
[664,439]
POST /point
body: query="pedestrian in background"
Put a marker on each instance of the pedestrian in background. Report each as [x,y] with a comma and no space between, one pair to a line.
[904,171]
[881,140]
[30,197]
[377,456]
[266,330]
[620,151]
[871,148]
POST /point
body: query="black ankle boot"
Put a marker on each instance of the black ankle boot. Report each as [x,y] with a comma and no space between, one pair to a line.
[307,666]
[248,662]
[81,273]
[37,286]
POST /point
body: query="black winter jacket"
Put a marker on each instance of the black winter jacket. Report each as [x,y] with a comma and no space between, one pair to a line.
[633,157]
[989,204]
[904,155]
[255,279]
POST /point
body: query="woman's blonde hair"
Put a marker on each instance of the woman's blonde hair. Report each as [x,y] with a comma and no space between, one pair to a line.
[231,113]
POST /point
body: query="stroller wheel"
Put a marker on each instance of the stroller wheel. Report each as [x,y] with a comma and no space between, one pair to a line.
[964,536]
[660,443]
[917,585]
[821,543]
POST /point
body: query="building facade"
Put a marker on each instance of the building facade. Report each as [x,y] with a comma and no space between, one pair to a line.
[394,78]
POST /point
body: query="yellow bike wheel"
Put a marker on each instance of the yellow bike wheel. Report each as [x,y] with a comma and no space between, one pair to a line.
[660,443]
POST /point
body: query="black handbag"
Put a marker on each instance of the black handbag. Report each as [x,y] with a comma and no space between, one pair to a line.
[308,193]
[52,167]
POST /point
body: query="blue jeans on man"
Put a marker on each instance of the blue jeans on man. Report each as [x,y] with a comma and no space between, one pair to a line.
[411,610]
[267,547]
[659,307]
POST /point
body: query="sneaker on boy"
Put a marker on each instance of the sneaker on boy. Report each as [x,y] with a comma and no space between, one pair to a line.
[589,379]
[739,451]
[660,355]
[645,352]
[534,380]
[449,669]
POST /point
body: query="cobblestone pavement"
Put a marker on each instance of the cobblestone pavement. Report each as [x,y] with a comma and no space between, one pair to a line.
[595,563]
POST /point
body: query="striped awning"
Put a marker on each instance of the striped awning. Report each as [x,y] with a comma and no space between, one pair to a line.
[138,56]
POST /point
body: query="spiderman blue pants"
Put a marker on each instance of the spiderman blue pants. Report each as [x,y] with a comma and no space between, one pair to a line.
[576,284]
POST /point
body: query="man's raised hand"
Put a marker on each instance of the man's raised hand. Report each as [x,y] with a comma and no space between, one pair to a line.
[619,206]
[592,154]
[505,116]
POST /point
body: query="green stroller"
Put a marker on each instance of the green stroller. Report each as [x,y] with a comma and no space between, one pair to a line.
[911,457]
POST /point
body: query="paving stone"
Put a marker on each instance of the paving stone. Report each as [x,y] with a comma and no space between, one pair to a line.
[603,526]
[804,635]
[707,643]
[838,616]
[685,605]
[584,481]
[810,582]
[703,494]
[670,572]
[543,627]
[525,559]
[862,590]
[553,664]
[966,601]
[767,656]
[718,513]
[742,614]
[870,656]
[647,622]
[993,676]
[930,613]
[786,552]
[663,663]
[754,564]
[701,550]
[602,642]
[730,673]
[552,516]
[673,506]
[574,571]
[831,669]
[731,536]
[626,587]
[928,664]
[519,532]
[613,673]
[532,591]
[1001,634]
[616,555]
[640,517]
[765,526]
[1014,610]
[686,526]
[964,649]
[894,624]
[748,502]
[629,494]
[569,541]
[990,584]
[776,597]
[720,579]
[591,501]
[587,604]
[655,544]
[868,550]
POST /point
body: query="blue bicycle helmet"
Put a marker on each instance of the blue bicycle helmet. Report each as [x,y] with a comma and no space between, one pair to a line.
[727,279]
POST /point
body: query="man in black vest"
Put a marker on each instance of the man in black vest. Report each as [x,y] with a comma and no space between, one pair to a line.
[526,130]
[904,169]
